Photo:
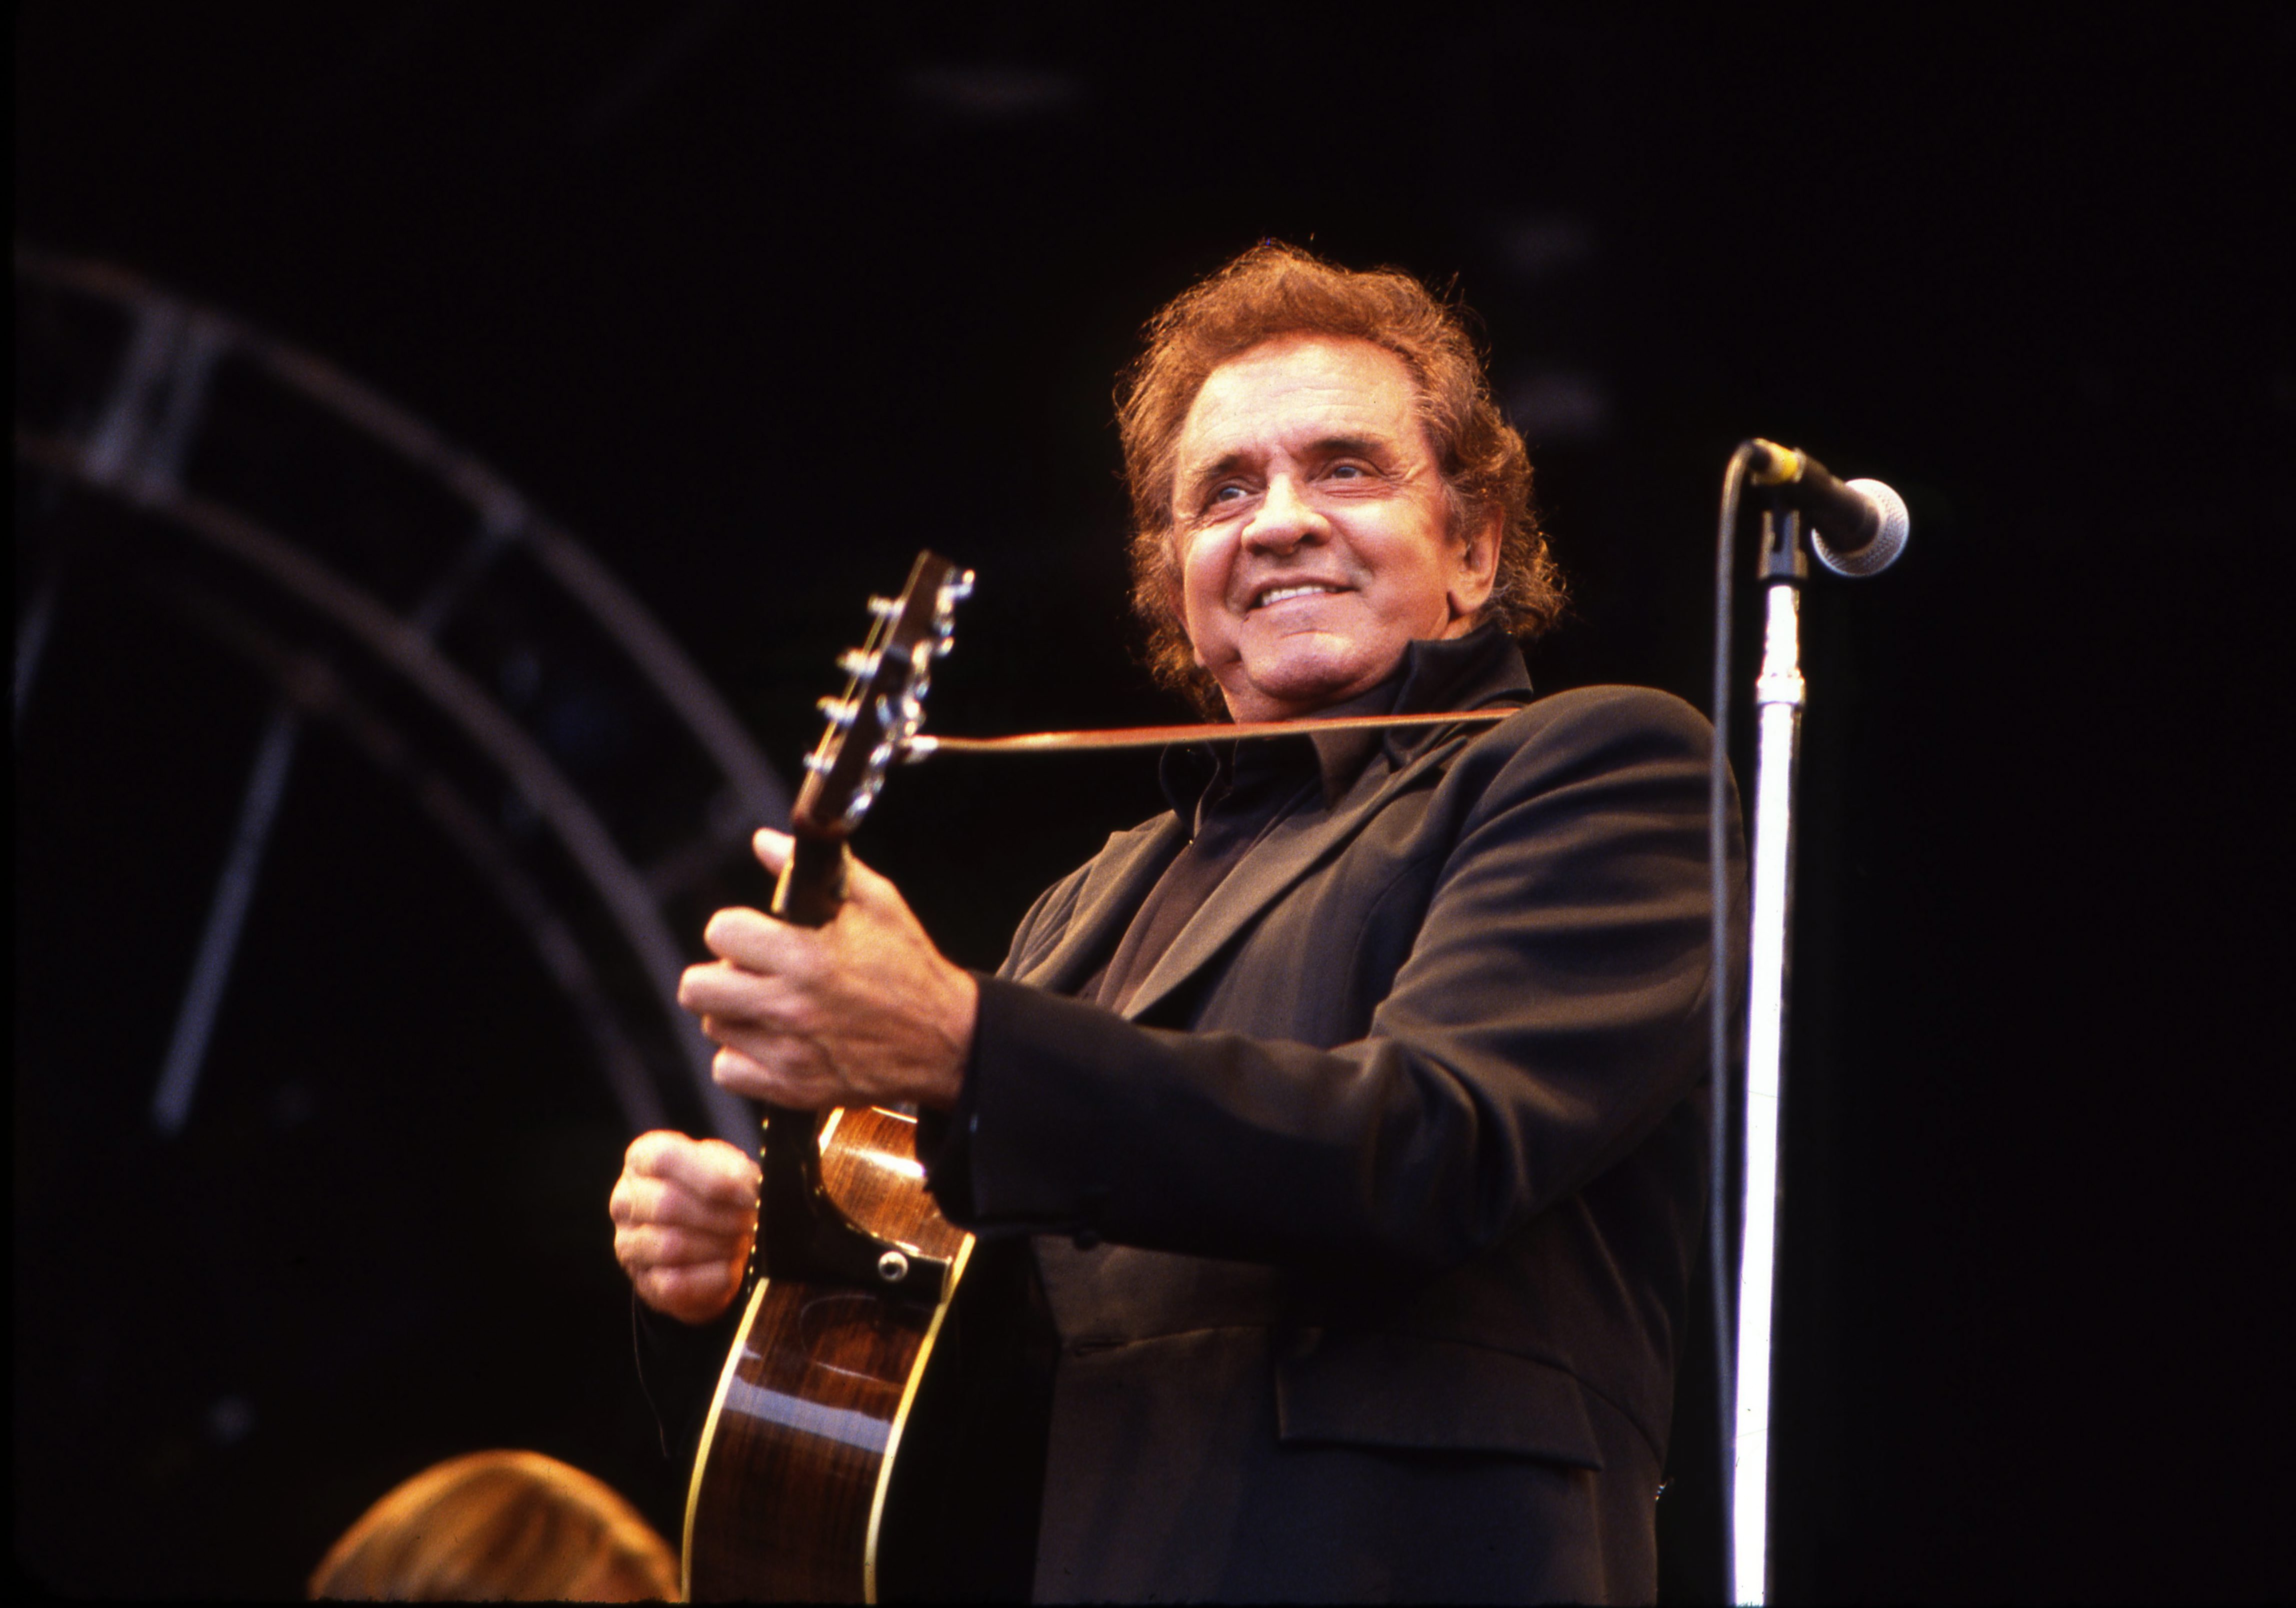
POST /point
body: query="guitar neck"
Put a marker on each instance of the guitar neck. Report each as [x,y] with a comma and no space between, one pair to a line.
[812,885]
[802,1232]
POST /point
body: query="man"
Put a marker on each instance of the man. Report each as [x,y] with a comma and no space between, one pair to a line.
[1356,1106]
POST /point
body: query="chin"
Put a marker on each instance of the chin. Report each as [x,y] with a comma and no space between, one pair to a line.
[1311,678]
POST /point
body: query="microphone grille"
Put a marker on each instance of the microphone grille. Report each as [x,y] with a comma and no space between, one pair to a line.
[1878,554]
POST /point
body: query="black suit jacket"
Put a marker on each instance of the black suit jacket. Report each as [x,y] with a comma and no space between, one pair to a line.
[1367,1226]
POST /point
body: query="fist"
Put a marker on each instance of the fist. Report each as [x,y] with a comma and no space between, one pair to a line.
[685,1211]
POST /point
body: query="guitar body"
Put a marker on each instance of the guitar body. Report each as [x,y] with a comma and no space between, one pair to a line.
[789,1484]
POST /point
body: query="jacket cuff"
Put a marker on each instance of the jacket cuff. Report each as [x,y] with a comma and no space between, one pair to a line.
[1050,1079]
[944,1139]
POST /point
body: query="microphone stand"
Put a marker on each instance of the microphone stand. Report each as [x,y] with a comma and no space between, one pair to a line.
[1778,696]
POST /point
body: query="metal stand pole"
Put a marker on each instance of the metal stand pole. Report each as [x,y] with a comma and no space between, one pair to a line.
[1778,701]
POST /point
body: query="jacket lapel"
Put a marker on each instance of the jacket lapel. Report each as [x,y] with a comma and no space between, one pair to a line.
[1290,849]
[1474,670]
[1118,879]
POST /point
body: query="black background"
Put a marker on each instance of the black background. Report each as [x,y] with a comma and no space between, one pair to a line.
[758,303]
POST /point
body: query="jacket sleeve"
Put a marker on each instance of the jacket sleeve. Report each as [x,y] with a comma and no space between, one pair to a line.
[1548,1014]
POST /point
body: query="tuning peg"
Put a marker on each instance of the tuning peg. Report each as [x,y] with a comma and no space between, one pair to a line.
[857,663]
[839,710]
[959,588]
[815,762]
[885,608]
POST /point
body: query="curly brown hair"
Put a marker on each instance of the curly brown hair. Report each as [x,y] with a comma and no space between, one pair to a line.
[1276,289]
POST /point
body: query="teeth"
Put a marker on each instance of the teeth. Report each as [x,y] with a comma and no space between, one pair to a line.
[1284,593]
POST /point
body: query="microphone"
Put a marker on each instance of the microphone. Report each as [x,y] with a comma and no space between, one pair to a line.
[1866,520]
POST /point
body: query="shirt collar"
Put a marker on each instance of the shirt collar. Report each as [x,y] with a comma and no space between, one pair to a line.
[1471,672]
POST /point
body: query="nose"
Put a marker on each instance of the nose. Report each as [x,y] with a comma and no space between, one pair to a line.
[1284,520]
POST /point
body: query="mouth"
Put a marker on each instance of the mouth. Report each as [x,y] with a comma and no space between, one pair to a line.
[1285,592]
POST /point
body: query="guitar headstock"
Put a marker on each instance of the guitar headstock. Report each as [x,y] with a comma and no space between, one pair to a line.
[883,702]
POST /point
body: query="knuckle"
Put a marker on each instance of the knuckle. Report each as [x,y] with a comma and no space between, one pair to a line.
[801,1015]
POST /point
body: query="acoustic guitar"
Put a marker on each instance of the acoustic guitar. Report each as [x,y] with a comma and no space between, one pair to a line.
[871,1433]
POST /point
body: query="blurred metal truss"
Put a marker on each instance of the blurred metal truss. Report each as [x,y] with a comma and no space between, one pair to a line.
[392,588]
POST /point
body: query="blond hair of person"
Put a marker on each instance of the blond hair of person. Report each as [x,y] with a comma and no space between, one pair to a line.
[499,1526]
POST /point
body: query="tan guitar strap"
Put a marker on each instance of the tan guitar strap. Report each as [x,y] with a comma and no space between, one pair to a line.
[922,746]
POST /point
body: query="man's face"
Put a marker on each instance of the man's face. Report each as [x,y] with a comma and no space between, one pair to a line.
[1314,535]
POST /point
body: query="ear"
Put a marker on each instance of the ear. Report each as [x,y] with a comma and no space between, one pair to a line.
[1477,568]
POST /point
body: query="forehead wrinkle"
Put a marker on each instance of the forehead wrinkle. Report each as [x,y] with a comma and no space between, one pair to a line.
[1244,432]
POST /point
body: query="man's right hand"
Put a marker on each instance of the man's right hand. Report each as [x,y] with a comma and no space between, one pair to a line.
[685,1211]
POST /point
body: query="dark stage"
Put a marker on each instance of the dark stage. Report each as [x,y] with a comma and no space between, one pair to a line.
[751,306]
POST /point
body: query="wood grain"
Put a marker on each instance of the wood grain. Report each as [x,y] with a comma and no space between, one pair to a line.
[794,1460]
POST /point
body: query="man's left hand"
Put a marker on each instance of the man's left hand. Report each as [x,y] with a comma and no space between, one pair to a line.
[863,1011]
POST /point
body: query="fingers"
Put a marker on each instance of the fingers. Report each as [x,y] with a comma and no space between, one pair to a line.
[868,889]
[641,1201]
[863,885]
[864,1008]
[710,1168]
[685,1211]
[772,848]
[781,1055]
[714,1174]
[780,1072]
[756,943]
[750,941]
[648,1246]
[693,1295]
[691,1276]
[730,992]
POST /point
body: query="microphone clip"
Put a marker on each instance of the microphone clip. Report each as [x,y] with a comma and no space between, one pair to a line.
[1782,557]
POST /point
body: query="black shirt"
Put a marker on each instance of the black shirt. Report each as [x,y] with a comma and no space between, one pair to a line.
[1231,793]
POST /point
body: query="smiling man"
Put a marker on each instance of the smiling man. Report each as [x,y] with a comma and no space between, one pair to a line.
[1314,537]
[1346,1122]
